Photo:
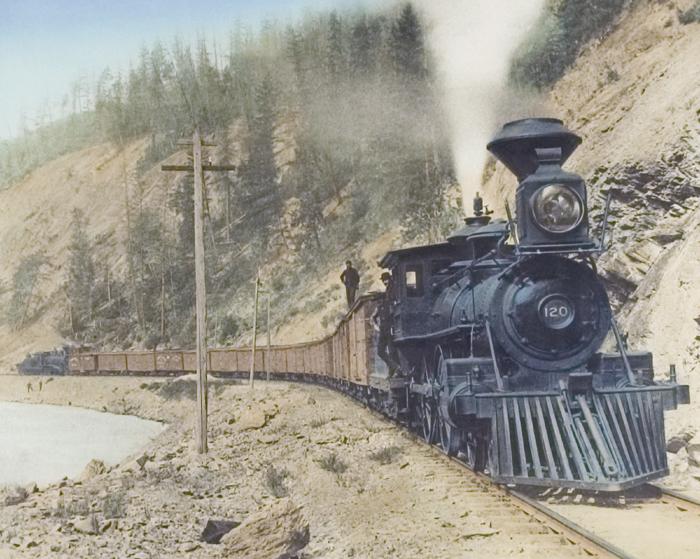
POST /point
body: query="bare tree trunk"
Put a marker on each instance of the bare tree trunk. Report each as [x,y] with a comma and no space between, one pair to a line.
[162,304]
[129,240]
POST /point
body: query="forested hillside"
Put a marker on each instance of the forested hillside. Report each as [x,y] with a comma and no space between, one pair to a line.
[337,129]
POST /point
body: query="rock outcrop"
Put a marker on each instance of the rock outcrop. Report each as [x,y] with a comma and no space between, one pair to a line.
[277,531]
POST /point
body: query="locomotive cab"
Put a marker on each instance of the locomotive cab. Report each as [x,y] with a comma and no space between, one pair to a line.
[415,271]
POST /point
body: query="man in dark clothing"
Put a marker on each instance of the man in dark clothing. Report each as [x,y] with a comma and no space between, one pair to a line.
[381,320]
[351,280]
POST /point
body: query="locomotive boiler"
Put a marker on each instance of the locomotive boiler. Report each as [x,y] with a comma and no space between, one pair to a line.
[499,332]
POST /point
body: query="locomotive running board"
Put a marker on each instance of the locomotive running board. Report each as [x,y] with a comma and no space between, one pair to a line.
[604,441]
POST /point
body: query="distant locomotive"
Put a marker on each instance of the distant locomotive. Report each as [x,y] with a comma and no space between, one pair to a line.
[498,331]
[53,362]
[501,342]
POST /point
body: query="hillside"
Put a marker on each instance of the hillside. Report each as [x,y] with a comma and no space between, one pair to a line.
[633,96]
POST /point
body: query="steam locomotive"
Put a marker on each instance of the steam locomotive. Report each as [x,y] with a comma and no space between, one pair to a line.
[54,362]
[499,333]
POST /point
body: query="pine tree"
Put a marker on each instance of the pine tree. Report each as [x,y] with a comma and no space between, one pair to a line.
[407,45]
[24,300]
[80,283]
[260,197]
[335,58]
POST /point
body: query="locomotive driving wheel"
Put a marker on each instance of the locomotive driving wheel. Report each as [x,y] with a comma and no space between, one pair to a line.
[427,405]
[449,435]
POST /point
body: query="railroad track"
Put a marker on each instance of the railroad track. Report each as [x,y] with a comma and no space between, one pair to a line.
[565,531]
[681,502]
[574,537]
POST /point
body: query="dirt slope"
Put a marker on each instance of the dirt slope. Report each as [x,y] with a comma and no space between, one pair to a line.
[36,215]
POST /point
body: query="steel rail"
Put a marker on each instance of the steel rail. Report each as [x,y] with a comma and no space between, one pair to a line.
[591,543]
[580,535]
[677,499]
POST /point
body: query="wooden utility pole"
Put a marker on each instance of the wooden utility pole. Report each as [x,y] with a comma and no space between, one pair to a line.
[255,331]
[197,168]
[200,293]
[267,356]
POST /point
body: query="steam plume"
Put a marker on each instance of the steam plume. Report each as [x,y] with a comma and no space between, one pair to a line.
[473,42]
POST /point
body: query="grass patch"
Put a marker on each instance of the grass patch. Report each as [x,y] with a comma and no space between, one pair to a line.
[275,481]
[386,455]
[318,422]
[74,507]
[332,463]
[114,505]
[178,389]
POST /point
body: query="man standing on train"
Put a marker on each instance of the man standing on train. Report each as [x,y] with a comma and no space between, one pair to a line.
[351,280]
[381,320]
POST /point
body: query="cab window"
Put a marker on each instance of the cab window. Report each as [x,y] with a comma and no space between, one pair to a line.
[413,279]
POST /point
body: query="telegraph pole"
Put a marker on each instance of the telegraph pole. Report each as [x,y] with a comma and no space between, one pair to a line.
[267,357]
[255,331]
[200,293]
[197,168]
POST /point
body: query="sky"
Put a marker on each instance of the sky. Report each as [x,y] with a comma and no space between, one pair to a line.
[46,45]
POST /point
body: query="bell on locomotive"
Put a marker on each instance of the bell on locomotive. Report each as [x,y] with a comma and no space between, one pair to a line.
[551,203]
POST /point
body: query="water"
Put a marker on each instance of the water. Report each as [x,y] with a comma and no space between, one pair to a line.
[44,443]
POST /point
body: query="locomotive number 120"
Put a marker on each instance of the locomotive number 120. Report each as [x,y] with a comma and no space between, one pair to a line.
[556,311]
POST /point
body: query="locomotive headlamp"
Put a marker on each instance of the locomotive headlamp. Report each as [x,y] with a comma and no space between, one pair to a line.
[557,208]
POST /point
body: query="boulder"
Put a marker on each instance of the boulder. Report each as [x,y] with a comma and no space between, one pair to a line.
[93,469]
[86,525]
[145,457]
[693,450]
[251,418]
[216,529]
[13,495]
[276,531]
[674,444]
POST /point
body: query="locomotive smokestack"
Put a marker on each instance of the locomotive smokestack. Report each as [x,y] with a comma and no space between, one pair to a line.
[518,142]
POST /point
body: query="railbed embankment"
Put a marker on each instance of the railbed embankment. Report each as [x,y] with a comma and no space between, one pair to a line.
[293,462]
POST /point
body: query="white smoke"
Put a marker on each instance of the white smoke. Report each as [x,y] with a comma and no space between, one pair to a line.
[473,42]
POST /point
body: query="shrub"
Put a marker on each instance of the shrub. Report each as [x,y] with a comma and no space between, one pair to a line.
[275,481]
[13,495]
[385,455]
[114,505]
[74,507]
[332,463]
[178,389]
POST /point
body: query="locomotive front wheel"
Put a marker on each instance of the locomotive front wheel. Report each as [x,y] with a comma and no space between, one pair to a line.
[449,435]
[426,406]
[449,438]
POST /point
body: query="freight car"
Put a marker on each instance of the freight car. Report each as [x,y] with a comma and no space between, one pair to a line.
[498,332]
